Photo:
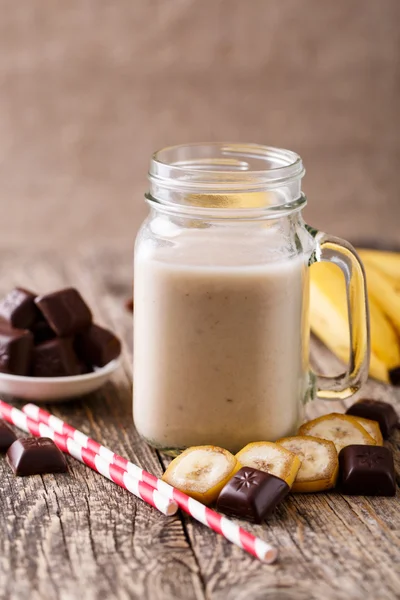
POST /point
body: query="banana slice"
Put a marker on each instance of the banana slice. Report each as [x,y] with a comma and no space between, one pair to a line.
[371,427]
[340,429]
[270,458]
[319,463]
[202,471]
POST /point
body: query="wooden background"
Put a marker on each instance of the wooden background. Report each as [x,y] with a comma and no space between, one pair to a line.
[89,89]
[78,535]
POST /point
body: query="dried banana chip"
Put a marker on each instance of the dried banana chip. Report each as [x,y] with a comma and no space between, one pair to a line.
[372,427]
[319,463]
[270,458]
[342,430]
[201,472]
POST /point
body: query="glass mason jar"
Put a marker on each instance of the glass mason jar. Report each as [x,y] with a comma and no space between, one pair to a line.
[221,323]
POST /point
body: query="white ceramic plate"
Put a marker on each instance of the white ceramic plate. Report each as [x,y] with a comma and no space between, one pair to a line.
[43,389]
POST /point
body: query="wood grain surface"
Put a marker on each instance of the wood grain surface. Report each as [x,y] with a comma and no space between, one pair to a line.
[77,535]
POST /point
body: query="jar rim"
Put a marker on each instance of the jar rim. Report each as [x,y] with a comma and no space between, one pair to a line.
[262,181]
[224,167]
[224,213]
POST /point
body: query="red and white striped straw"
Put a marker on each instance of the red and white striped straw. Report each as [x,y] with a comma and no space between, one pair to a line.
[218,523]
[140,489]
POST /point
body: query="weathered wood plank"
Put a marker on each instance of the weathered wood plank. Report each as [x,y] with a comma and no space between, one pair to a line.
[79,535]
[62,534]
[312,532]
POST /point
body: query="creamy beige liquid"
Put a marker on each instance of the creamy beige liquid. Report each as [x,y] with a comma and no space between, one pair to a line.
[219,351]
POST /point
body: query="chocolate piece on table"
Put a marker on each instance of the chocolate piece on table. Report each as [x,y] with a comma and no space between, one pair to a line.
[42,332]
[36,456]
[55,358]
[65,311]
[15,350]
[252,494]
[7,436]
[97,346]
[376,410]
[394,376]
[18,309]
[366,471]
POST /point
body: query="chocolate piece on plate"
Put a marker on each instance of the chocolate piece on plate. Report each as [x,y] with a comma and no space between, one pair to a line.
[36,456]
[129,304]
[18,309]
[55,358]
[376,410]
[65,311]
[252,494]
[97,346]
[84,368]
[366,471]
[7,436]
[15,350]
[42,332]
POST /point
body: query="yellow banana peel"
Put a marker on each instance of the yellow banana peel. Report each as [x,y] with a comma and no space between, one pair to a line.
[329,321]
[384,340]
[383,293]
[386,262]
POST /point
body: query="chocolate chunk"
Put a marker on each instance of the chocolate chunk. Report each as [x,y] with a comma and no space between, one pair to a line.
[366,471]
[252,494]
[65,311]
[18,309]
[376,410]
[42,332]
[15,350]
[31,456]
[84,368]
[97,346]
[55,358]
[7,436]
[129,304]
[394,376]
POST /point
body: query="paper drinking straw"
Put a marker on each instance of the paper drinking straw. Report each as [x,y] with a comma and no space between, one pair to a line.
[218,523]
[140,489]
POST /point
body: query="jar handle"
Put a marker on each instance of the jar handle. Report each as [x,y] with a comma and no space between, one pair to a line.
[332,249]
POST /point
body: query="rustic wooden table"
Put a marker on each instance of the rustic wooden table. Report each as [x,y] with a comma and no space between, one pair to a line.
[79,536]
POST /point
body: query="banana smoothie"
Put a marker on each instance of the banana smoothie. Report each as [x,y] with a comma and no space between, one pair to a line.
[221,341]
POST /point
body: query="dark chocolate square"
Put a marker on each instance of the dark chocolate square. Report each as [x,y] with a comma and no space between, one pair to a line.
[36,456]
[84,368]
[65,311]
[18,309]
[7,436]
[129,304]
[15,350]
[42,332]
[55,358]
[97,346]
[366,471]
[252,494]
[394,376]
[376,410]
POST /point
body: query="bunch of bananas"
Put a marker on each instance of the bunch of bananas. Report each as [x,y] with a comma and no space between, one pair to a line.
[329,318]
